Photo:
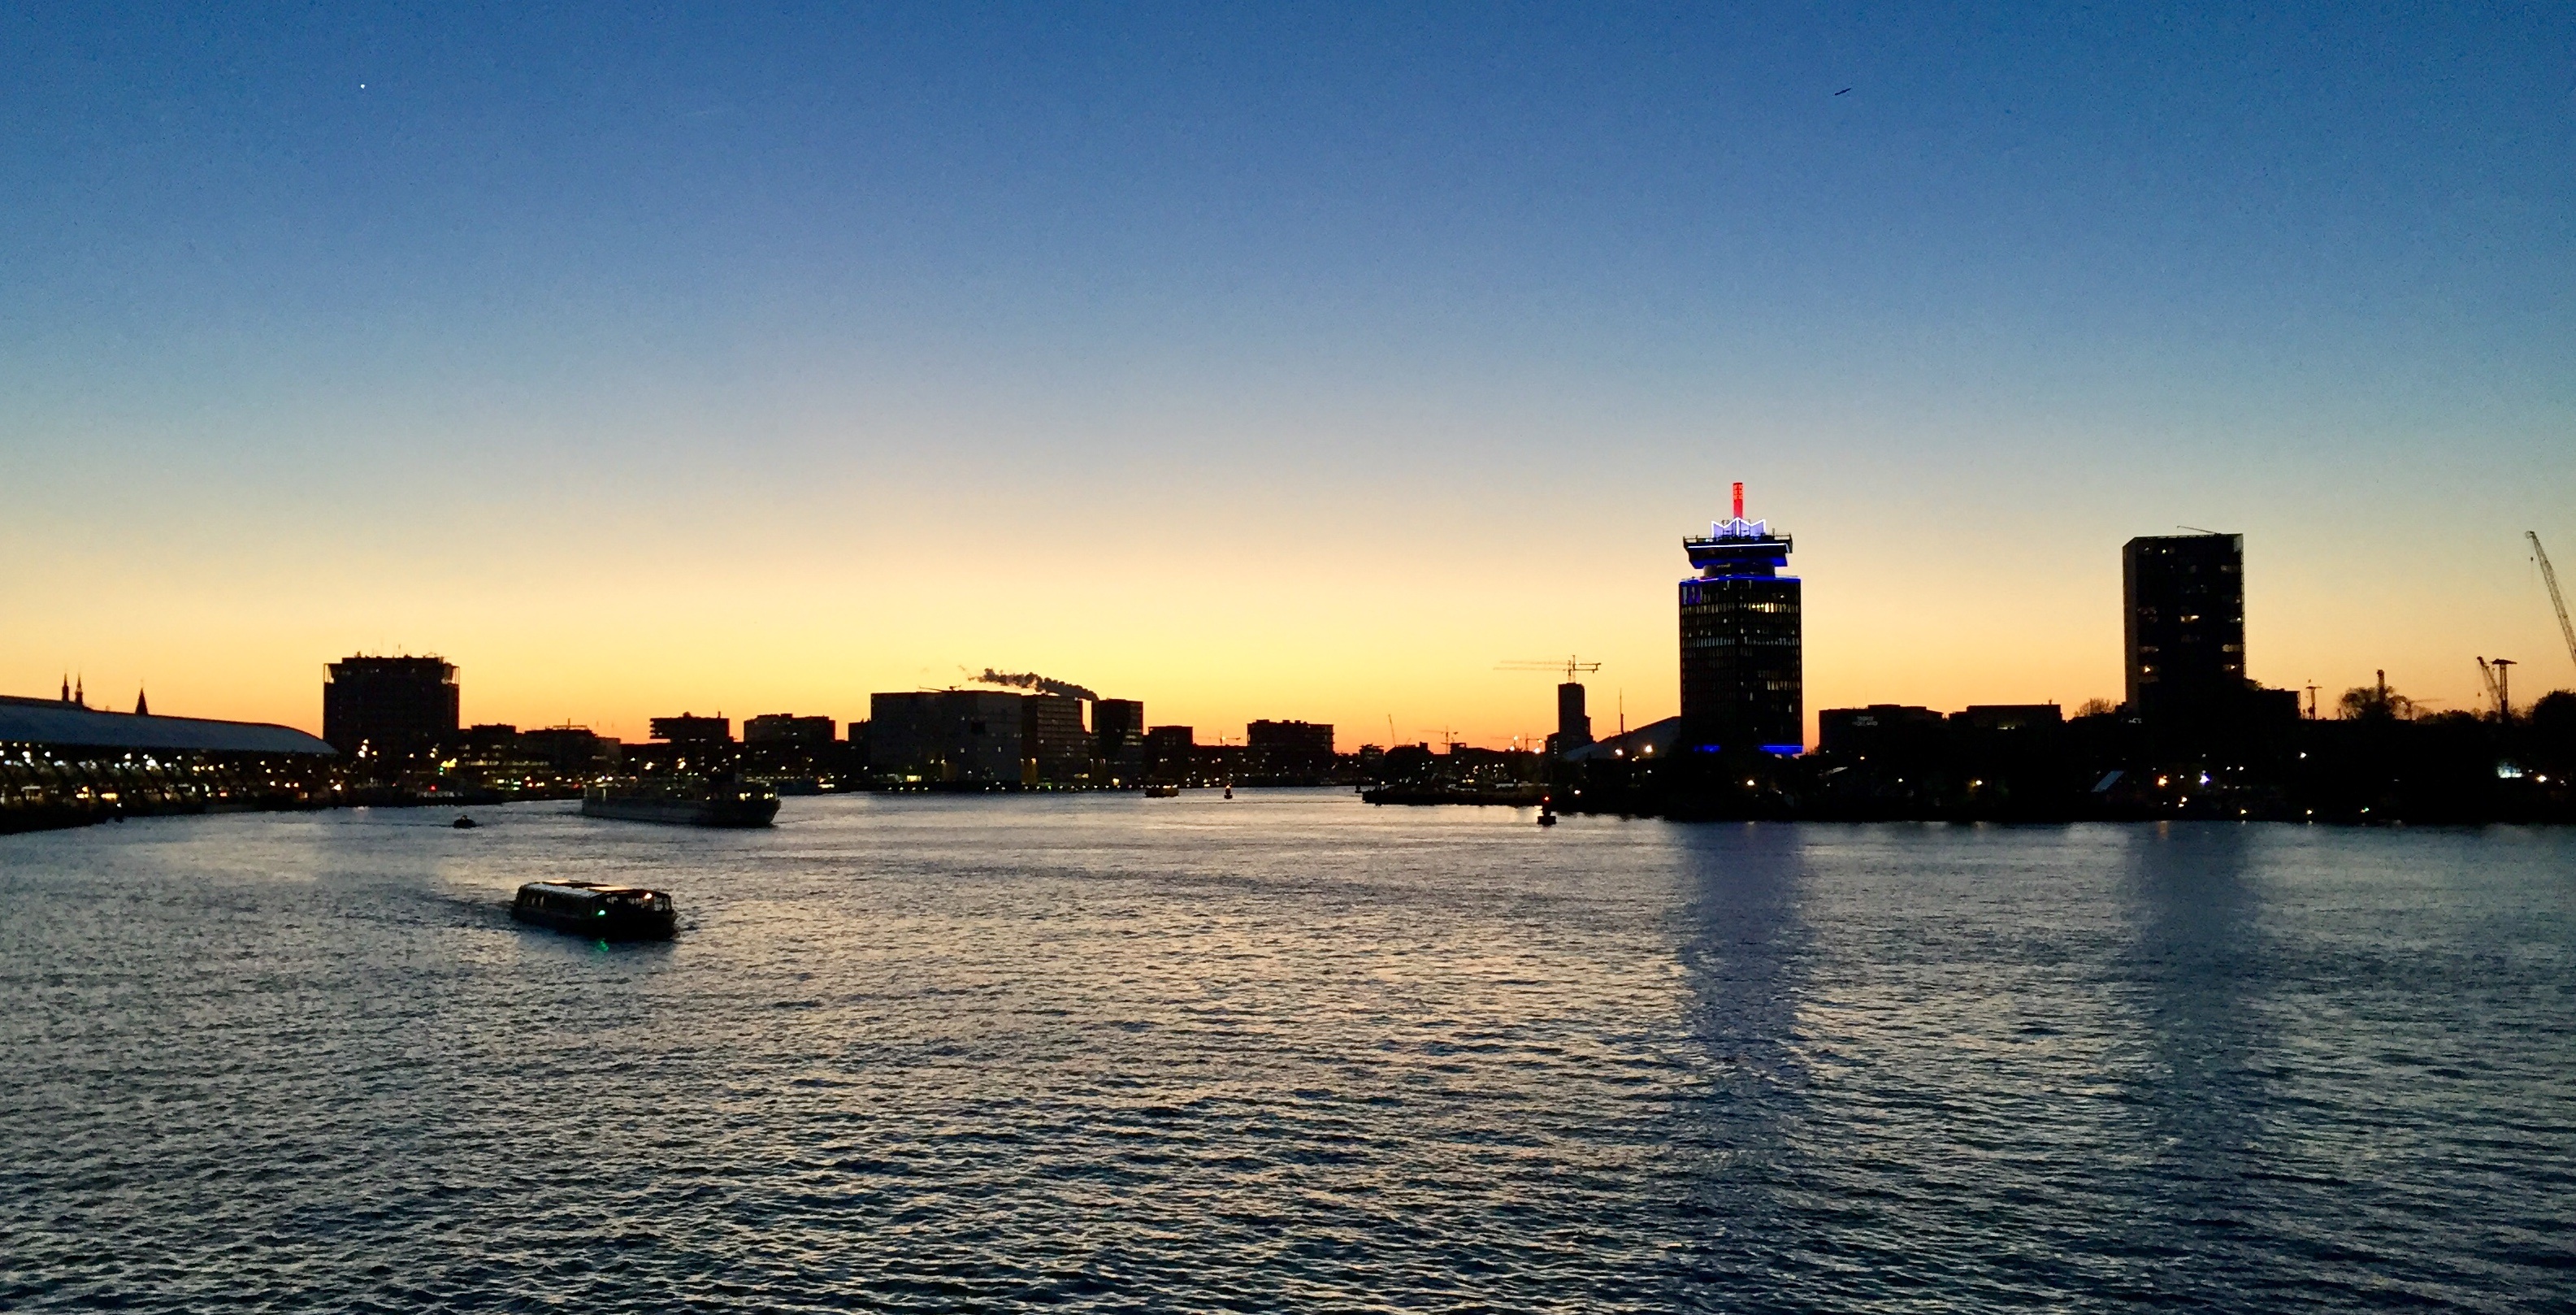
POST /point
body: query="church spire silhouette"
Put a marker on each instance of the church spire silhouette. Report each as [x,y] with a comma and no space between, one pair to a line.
[142,706]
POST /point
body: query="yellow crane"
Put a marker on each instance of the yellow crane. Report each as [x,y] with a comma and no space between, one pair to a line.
[1569,666]
[2550,578]
[2497,673]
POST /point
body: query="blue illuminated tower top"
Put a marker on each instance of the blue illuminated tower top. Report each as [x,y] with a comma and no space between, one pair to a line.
[1739,549]
[1743,674]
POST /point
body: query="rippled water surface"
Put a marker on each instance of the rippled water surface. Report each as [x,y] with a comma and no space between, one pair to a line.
[1286,1052]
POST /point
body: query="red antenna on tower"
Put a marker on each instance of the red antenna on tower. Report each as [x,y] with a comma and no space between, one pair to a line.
[1739,499]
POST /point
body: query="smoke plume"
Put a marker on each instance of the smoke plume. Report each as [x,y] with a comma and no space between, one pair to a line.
[1032,680]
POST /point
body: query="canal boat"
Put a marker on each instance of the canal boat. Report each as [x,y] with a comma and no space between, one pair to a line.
[602,912]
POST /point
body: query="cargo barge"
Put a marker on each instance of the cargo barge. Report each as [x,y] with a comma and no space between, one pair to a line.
[721,803]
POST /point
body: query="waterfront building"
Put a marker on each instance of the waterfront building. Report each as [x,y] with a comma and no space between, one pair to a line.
[2183,627]
[1058,747]
[1118,738]
[494,756]
[572,751]
[1573,724]
[1880,728]
[389,707]
[63,764]
[488,738]
[1118,719]
[787,730]
[1171,754]
[952,736]
[2009,717]
[1289,752]
[2183,619]
[1742,664]
[691,729]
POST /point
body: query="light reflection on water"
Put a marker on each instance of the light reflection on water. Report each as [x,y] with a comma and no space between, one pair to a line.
[1288,1051]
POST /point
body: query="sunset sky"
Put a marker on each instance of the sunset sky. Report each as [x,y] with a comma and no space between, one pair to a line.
[1267,361]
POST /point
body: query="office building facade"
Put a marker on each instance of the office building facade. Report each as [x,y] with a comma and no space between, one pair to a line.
[389,707]
[1743,678]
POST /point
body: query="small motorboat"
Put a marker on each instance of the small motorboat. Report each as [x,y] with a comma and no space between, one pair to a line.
[1547,819]
[464,823]
[1162,792]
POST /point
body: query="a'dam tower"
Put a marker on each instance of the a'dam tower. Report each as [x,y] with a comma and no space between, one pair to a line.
[1743,681]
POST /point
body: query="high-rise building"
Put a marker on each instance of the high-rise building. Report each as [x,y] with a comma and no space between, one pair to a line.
[1573,725]
[2183,617]
[2183,623]
[1742,666]
[389,707]
[1118,735]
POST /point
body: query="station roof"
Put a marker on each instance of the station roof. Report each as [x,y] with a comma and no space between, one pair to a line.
[53,722]
[1655,739]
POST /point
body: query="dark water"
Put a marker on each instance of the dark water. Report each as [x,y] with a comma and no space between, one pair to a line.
[1287,1052]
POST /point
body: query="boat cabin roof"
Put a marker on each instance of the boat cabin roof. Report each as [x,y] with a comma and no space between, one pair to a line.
[590,888]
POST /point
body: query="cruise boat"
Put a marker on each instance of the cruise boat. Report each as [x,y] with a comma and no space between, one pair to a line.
[587,908]
[683,802]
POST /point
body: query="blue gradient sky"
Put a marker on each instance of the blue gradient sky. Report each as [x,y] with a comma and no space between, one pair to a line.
[1266,362]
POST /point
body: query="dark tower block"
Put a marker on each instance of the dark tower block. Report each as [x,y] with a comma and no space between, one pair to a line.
[1118,735]
[1058,749]
[1289,752]
[393,707]
[2184,603]
[1743,676]
[1573,726]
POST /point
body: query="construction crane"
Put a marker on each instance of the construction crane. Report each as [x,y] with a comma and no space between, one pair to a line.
[2550,578]
[1569,666]
[2498,673]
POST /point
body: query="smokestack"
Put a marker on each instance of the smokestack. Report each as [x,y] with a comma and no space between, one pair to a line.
[1739,499]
